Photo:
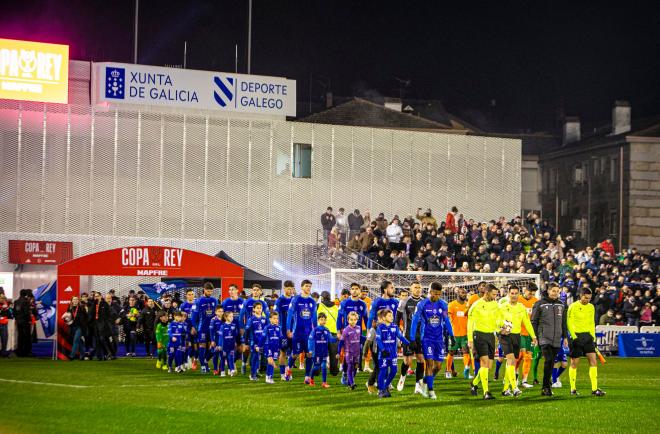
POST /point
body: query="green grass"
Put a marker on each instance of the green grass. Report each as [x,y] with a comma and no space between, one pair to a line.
[131,396]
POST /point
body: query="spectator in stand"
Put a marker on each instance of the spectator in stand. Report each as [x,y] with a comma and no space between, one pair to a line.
[355,222]
[381,224]
[394,232]
[342,226]
[78,317]
[427,218]
[354,245]
[608,247]
[631,310]
[646,315]
[401,260]
[367,221]
[6,314]
[333,242]
[607,318]
[328,222]
[451,223]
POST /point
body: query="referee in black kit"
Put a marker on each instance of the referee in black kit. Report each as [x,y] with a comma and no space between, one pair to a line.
[549,322]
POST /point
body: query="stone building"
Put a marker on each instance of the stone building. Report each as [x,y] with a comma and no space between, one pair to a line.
[606,185]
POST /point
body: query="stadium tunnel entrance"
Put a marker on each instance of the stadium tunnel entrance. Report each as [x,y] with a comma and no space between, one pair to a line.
[149,261]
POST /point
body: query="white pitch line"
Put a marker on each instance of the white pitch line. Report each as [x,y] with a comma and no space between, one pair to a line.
[76,386]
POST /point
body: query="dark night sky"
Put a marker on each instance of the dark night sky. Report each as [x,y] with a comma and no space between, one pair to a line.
[534,58]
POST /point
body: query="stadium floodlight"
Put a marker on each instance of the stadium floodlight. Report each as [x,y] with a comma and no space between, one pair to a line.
[341,278]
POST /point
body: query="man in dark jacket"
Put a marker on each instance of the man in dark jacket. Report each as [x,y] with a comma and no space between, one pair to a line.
[328,221]
[23,312]
[99,321]
[355,222]
[549,322]
[146,323]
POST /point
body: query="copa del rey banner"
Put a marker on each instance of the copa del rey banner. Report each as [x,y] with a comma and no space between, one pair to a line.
[123,83]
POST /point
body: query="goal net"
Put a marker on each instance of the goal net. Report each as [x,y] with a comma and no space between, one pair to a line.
[342,278]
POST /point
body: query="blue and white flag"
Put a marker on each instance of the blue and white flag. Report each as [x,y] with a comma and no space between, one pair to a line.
[45,297]
[158,289]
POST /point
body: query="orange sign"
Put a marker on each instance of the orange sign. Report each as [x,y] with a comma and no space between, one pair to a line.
[34,71]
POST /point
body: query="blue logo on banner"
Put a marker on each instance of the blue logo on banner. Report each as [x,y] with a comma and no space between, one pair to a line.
[115,82]
[224,92]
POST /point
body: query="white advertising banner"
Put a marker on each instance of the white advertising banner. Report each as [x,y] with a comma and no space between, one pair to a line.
[123,83]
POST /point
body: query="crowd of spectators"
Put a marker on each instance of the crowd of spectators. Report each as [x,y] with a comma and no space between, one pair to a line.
[625,283]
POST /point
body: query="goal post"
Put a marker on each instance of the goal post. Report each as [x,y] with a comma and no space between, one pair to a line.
[341,278]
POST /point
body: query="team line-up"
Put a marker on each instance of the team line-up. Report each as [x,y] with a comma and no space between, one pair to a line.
[518,328]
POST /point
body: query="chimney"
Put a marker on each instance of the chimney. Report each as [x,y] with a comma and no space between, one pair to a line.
[328,100]
[393,104]
[571,131]
[620,117]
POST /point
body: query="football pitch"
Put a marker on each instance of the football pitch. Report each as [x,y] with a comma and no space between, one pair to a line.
[42,396]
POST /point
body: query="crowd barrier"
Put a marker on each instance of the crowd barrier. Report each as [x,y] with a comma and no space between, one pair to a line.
[607,336]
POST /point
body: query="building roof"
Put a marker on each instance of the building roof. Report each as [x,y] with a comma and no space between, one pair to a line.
[365,113]
[602,136]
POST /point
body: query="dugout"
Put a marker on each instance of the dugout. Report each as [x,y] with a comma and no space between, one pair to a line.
[149,261]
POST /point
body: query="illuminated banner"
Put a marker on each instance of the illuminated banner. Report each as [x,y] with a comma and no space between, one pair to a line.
[34,71]
[120,83]
[39,252]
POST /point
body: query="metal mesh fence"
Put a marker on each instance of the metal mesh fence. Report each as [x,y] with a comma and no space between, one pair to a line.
[82,173]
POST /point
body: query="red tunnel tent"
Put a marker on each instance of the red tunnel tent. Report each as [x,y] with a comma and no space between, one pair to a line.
[148,261]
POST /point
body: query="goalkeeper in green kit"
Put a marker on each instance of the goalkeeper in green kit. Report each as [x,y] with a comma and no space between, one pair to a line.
[162,339]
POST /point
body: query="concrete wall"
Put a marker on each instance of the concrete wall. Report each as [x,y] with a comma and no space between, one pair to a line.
[644,197]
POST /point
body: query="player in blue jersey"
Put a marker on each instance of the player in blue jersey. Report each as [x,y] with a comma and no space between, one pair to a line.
[234,304]
[246,313]
[254,335]
[202,314]
[301,319]
[387,336]
[432,318]
[282,308]
[317,343]
[187,307]
[272,343]
[352,304]
[176,345]
[227,343]
[215,330]
[385,301]
[561,362]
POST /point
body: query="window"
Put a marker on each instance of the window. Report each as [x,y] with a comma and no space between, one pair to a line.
[552,180]
[564,207]
[302,160]
[613,169]
[577,174]
[614,223]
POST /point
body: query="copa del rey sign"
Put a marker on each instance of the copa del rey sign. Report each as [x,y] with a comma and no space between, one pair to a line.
[151,261]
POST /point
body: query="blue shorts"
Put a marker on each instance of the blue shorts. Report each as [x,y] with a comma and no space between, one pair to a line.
[433,350]
[318,360]
[203,336]
[561,356]
[384,362]
[299,344]
[273,352]
[286,345]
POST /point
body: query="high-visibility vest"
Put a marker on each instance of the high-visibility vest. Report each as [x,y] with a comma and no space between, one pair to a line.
[332,313]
